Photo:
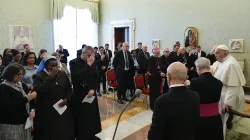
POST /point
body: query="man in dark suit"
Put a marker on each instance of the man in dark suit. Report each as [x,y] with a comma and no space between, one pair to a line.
[199,53]
[63,53]
[142,58]
[209,88]
[102,68]
[176,113]
[108,52]
[139,49]
[124,68]
[174,55]
[79,52]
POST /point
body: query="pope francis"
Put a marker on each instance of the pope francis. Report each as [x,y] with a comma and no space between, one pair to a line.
[228,70]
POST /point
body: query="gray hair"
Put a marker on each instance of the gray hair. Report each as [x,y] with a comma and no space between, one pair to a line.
[87,48]
[203,63]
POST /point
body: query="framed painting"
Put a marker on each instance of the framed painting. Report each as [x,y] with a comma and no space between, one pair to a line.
[20,35]
[236,45]
[156,43]
[191,37]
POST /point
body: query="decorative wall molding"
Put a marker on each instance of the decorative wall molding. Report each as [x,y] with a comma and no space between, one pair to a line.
[123,23]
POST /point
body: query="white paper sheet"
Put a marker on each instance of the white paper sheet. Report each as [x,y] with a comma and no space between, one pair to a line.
[29,123]
[88,100]
[60,110]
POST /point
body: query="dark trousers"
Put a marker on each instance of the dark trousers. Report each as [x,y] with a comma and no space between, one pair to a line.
[124,81]
[154,86]
[101,79]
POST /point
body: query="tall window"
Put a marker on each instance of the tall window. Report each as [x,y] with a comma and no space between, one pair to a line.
[74,29]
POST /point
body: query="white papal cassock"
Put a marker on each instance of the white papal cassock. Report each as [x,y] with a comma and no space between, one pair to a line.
[230,73]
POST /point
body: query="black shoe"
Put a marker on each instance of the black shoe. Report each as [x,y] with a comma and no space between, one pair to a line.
[120,101]
[125,99]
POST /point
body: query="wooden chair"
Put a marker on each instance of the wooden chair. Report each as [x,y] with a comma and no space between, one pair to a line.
[232,113]
[139,84]
[112,81]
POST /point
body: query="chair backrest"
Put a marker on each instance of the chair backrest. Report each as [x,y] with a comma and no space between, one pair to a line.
[139,82]
[146,79]
[111,76]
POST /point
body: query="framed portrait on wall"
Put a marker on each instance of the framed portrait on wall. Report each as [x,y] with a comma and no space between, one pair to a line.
[156,43]
[191,37]
[236,45]
[20,35]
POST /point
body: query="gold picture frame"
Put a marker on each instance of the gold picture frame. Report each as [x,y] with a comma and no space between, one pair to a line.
[191,37]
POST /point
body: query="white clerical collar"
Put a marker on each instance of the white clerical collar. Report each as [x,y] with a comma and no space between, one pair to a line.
[177,85]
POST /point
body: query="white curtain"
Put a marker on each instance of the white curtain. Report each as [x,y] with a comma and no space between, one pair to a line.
[74,29]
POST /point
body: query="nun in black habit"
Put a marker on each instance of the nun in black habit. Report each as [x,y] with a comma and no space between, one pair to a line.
[84,80]
[51,86]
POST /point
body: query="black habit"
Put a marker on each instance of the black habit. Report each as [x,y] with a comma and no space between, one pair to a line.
[86,115]
[176,115]
[209,89]
[164,63]
[142,59]
[48,123]
[154,80]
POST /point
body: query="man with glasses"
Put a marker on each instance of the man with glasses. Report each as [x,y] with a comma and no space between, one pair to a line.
[164,63]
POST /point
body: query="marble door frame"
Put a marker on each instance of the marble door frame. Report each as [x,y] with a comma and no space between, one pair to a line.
[130,23]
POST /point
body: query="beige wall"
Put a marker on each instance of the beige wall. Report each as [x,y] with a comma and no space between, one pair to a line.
[216,20]
[35,13]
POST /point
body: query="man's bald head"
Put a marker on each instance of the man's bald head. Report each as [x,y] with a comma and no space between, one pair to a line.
[176,73]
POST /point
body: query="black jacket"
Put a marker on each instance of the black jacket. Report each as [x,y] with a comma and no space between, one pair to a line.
[119,63]
[209,88]
[64,58]
[175,115]
[13,105]
[143,61]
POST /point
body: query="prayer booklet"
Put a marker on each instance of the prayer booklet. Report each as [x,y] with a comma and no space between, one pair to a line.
[88,100]
[60,110]
[29,123]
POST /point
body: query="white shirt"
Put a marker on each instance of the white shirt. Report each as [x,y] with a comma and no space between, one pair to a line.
[177,85]
[125,68]
[199,54]
[135,62]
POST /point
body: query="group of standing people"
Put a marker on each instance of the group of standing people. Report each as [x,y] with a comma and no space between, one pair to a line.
[197,109]
[34,93]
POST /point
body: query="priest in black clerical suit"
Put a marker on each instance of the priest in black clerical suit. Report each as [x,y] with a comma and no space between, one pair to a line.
[155,77]
[164,63]
[209,88]
[176,113]
[84,79]
[142,58]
